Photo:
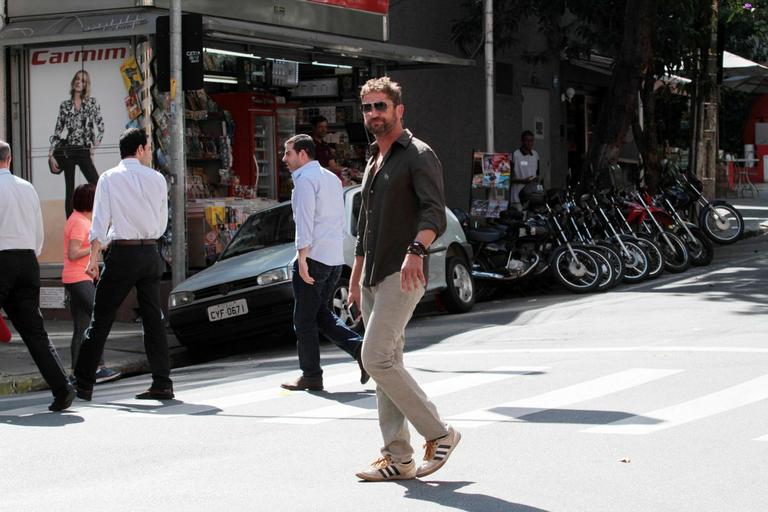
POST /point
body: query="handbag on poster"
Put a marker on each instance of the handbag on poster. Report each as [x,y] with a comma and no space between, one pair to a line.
[58,154]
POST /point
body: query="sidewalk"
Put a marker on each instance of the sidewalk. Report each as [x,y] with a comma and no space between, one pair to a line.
[124,351]
[753,209]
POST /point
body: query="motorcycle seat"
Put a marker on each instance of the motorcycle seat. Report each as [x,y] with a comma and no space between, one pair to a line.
[485,235]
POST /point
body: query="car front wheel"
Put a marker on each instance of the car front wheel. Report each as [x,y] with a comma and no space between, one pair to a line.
[348,314]
[459,295]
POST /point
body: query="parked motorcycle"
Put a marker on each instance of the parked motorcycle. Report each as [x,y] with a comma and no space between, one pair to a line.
[673,249]
[719,220]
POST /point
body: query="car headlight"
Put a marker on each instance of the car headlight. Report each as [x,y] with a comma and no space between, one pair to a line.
[277,275]
[180,299]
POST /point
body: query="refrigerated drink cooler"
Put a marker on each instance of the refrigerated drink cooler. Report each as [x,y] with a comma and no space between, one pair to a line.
[262,125]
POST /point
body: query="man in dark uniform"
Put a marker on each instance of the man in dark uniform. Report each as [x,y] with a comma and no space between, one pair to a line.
[130,212]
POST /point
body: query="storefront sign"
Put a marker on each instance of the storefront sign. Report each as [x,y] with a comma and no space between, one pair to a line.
[51,80]
[377,6]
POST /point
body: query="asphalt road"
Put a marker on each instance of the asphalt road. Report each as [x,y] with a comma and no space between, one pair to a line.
[647,398]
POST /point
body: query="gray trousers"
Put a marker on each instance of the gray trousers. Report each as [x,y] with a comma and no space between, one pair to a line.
[386,311]
[81,295]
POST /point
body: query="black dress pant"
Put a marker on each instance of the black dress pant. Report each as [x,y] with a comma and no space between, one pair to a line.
[79,156]
[20,297]
[125,267]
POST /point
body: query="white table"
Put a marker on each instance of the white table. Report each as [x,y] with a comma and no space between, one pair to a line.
[742,183]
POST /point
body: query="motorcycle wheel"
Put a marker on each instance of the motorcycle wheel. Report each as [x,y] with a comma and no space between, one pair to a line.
[700,247]
[606,269]
[655,259]
[635,261]
[579,274]
[676,258]
[617,263]
[725,229]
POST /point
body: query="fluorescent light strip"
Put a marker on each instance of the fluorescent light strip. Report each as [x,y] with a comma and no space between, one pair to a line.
[233,54]
[315,63]
[220,79]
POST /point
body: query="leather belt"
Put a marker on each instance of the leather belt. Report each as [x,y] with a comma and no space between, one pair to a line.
[134,242]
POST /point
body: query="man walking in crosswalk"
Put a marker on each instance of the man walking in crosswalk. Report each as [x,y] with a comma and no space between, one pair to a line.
[403,211]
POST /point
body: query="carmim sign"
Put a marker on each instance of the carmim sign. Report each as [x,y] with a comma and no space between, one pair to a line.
[53,57]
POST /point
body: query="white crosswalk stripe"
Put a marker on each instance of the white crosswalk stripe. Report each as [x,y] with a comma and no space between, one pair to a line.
[581,392]
[715,403]
[227,396]
[278,406]
[432,389]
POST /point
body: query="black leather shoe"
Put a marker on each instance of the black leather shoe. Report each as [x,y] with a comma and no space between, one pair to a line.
[63,399]
[364,377]
[302,383]
[84,394]
[156,394]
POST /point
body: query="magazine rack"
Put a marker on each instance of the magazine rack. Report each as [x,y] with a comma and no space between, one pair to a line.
[490,187]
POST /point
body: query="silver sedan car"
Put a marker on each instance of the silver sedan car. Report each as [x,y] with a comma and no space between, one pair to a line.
[248,290]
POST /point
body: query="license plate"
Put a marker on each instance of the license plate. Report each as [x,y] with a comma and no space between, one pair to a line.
[227,310]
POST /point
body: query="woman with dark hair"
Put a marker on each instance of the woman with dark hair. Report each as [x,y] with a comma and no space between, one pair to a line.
[79,285]
[80,117]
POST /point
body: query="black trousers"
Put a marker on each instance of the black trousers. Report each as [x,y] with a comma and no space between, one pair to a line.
[79,156]
[125,267]
[20,297]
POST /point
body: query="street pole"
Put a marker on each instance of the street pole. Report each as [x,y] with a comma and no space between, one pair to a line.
[707,112]
[489,74]
[178,171]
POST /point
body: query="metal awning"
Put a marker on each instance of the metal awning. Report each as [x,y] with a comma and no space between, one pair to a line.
[75,27]
[330,44]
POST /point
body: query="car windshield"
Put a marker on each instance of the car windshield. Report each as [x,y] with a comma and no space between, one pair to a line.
[263,229]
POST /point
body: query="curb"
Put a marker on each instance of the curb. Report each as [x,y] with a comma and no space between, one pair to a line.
[28,382]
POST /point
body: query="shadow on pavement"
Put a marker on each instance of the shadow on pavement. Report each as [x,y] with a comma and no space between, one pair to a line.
[47,419]
[572,416]
[444,493]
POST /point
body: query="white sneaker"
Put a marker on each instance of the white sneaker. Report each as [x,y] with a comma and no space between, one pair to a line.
[384,469]
[436,452]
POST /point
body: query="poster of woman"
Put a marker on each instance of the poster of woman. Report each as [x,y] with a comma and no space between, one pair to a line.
[76,114]
[79,130]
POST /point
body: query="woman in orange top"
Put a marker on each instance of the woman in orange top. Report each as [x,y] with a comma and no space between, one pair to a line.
[79,285]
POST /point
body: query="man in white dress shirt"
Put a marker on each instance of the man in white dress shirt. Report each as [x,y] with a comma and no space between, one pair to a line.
[21,240]
[318,210]
[130,212]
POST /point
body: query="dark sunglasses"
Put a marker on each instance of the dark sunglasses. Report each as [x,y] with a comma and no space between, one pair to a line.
[380,106]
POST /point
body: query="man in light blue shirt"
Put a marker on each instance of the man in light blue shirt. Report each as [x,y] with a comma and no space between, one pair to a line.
[318,210]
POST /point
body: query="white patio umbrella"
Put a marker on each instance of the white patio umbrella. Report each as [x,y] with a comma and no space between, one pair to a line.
[744,75]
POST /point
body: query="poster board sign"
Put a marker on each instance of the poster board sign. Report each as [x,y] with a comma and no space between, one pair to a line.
[491,173]
[52,72]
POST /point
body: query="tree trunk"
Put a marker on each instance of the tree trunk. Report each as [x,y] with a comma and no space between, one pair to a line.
[646,137]
[619,107]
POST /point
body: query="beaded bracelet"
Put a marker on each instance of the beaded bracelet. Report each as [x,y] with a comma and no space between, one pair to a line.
[417,248]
